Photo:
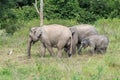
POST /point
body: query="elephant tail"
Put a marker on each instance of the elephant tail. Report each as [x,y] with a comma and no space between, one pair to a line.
[70,46]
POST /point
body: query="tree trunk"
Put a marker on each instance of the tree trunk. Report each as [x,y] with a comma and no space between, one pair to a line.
[41,12]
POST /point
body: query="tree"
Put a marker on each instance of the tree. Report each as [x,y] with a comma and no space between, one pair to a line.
[39,11]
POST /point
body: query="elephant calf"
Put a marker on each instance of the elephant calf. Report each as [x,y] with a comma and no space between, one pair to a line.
[97,43]
[53,35]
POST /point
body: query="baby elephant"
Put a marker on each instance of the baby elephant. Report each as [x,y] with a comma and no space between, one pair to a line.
[97,43]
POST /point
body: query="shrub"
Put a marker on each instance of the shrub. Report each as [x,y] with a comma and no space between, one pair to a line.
[25,13]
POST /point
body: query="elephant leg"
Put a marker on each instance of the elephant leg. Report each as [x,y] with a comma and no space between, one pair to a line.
[102,50]
[74,50]
[43,50]
[60,46]
[92,48]
[50,50]
[59,53]
[105,49]
[78,46]
[67,49]
[96,50]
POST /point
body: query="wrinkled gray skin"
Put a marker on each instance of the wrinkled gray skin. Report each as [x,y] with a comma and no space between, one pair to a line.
[80,32]
[97,43]
[54,35]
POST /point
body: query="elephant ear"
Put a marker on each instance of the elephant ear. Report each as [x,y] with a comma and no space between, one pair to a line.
[38,32]
[32,30]
[72,29]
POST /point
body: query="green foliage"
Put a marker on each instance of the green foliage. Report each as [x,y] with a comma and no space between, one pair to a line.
[12,18]
[11,26]
[101,8]
[6,15]
[110,27]
[99,73]
[5,74]
[13,13]
[86,17]
[67,23]
[3,37]
[15,18]
[25,13]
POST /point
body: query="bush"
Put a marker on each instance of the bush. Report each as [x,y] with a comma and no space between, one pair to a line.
[11,26]
[67,23]
[82,11]
[86,17]
[15,19]
[25,13]
[3,37]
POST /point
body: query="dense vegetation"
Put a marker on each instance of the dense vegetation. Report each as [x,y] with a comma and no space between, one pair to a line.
[13,13]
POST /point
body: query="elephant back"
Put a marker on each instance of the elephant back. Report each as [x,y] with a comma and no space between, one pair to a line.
[57,31]
[85,30]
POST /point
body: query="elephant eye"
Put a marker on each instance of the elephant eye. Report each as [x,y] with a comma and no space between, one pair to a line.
[34,32]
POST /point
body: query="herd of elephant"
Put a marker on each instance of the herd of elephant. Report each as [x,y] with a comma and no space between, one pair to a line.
[68,39]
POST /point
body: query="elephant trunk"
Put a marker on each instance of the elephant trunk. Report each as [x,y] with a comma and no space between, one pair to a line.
[29,47]
[80,48]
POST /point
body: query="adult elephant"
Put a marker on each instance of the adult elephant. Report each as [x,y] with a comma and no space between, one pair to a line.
[80,32]
[53,35]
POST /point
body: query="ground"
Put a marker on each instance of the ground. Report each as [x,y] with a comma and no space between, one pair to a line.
[16,66]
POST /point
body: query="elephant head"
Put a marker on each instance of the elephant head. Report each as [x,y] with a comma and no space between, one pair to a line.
[84,44]
[34,36]
[35,33]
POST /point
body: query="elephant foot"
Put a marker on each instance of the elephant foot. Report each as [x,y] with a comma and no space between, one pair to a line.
[79,53]
[59,56]
[43,55]
[52,54]
[92,54]
[69,55]
[28,57]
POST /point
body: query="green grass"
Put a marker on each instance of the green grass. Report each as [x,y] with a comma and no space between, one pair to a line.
[79,67]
